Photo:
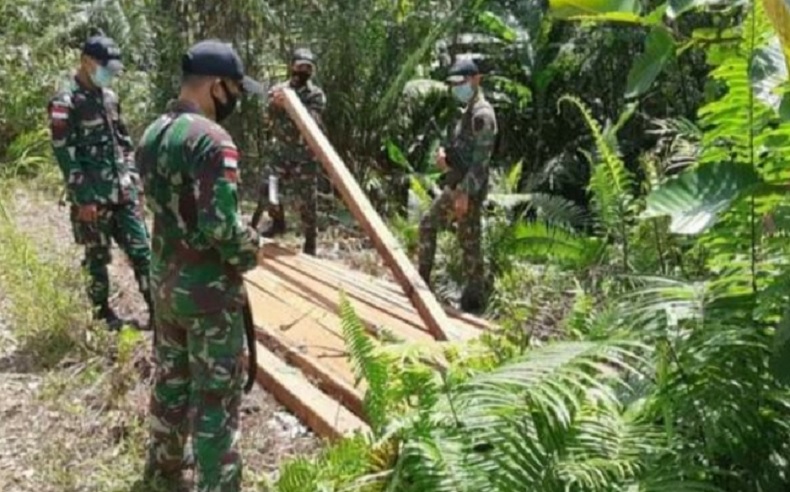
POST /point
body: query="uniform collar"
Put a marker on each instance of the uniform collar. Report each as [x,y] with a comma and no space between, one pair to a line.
[182,106]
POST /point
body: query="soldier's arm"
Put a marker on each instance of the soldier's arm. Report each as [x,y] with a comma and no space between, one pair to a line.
[63,146]
[218,216]
[484,128]
[127,146]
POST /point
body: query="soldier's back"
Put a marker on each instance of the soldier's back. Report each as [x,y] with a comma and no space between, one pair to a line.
[181,157]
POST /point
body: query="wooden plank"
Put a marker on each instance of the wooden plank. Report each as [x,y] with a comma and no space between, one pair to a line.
[325,416]
[380,288]
[388,247]
[324,378]
[400,317]
[312,329]
[328,296]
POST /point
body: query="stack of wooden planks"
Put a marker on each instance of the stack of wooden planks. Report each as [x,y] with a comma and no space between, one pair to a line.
[302,356]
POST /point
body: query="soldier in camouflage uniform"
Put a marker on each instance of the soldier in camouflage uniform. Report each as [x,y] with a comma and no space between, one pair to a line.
[465,160]
[95,155]
[200,251]
[293,166]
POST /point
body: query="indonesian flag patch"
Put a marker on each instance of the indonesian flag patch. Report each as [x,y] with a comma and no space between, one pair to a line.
[59,114]
[230,163]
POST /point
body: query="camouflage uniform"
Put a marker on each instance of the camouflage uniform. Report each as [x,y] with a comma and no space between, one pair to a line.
[95,155]
[200,250]
[468,151]
[293,163]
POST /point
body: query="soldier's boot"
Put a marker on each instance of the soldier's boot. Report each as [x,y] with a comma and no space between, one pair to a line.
[309,245]
[277,226]
[104,312]
[256,217]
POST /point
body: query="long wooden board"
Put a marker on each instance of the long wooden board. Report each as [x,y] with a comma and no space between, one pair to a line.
[386,244]
[324,415]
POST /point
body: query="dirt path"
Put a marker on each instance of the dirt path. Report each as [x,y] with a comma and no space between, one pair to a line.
[56,433]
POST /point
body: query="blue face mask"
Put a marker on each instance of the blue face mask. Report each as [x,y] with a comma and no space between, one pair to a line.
[463,92]
[101,76]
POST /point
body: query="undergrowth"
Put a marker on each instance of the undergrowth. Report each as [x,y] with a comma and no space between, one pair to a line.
[45,301]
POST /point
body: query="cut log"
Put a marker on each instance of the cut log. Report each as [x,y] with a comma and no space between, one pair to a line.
[388,247]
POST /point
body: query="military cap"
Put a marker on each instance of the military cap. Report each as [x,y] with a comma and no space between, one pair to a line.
[303,55]
[216,58]
[461,69]
[105,51]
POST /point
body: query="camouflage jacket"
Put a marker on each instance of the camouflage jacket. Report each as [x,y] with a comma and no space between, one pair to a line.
[92,146]
[200,248]
[471,143]
[288,143]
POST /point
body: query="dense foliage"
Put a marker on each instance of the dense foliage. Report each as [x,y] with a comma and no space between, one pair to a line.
[636,233]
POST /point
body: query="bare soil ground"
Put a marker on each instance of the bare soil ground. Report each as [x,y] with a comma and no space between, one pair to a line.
[59,432]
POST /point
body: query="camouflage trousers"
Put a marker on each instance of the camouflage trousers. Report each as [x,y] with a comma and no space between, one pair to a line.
[198,361]
[297,185]
[124,223]
[469,232]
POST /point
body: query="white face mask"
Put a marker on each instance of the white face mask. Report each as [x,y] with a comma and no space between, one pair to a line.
[463,92]
[101,77]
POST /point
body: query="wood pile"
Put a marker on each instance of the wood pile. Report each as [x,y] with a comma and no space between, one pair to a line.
[302,356]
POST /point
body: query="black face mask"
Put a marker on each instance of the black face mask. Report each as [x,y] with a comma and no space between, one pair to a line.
[300,78]
[223,110]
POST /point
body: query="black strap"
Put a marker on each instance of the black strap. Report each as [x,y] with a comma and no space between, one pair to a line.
[252,352]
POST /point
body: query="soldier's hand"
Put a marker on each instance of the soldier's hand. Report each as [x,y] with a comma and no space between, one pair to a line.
[441,159]
[278,98]
[87,213]
[461,205]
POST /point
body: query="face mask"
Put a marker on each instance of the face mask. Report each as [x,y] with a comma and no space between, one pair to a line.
[101,77]
[300,78]
[223,110]
[463,93]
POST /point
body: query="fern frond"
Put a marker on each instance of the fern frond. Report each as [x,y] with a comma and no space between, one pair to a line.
[367,365]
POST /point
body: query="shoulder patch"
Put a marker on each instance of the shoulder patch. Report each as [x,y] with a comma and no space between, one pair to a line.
[59,113]
[230,161]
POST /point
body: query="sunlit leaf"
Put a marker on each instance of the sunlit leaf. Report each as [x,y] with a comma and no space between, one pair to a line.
[497,26]
[697,196]
[569,8]
[768,73]
[659,49]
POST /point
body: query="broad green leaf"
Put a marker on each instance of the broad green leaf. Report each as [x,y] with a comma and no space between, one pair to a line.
[497,26]
[768,73]
[697,196]
[659,49]
[569,8]
[396,156]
